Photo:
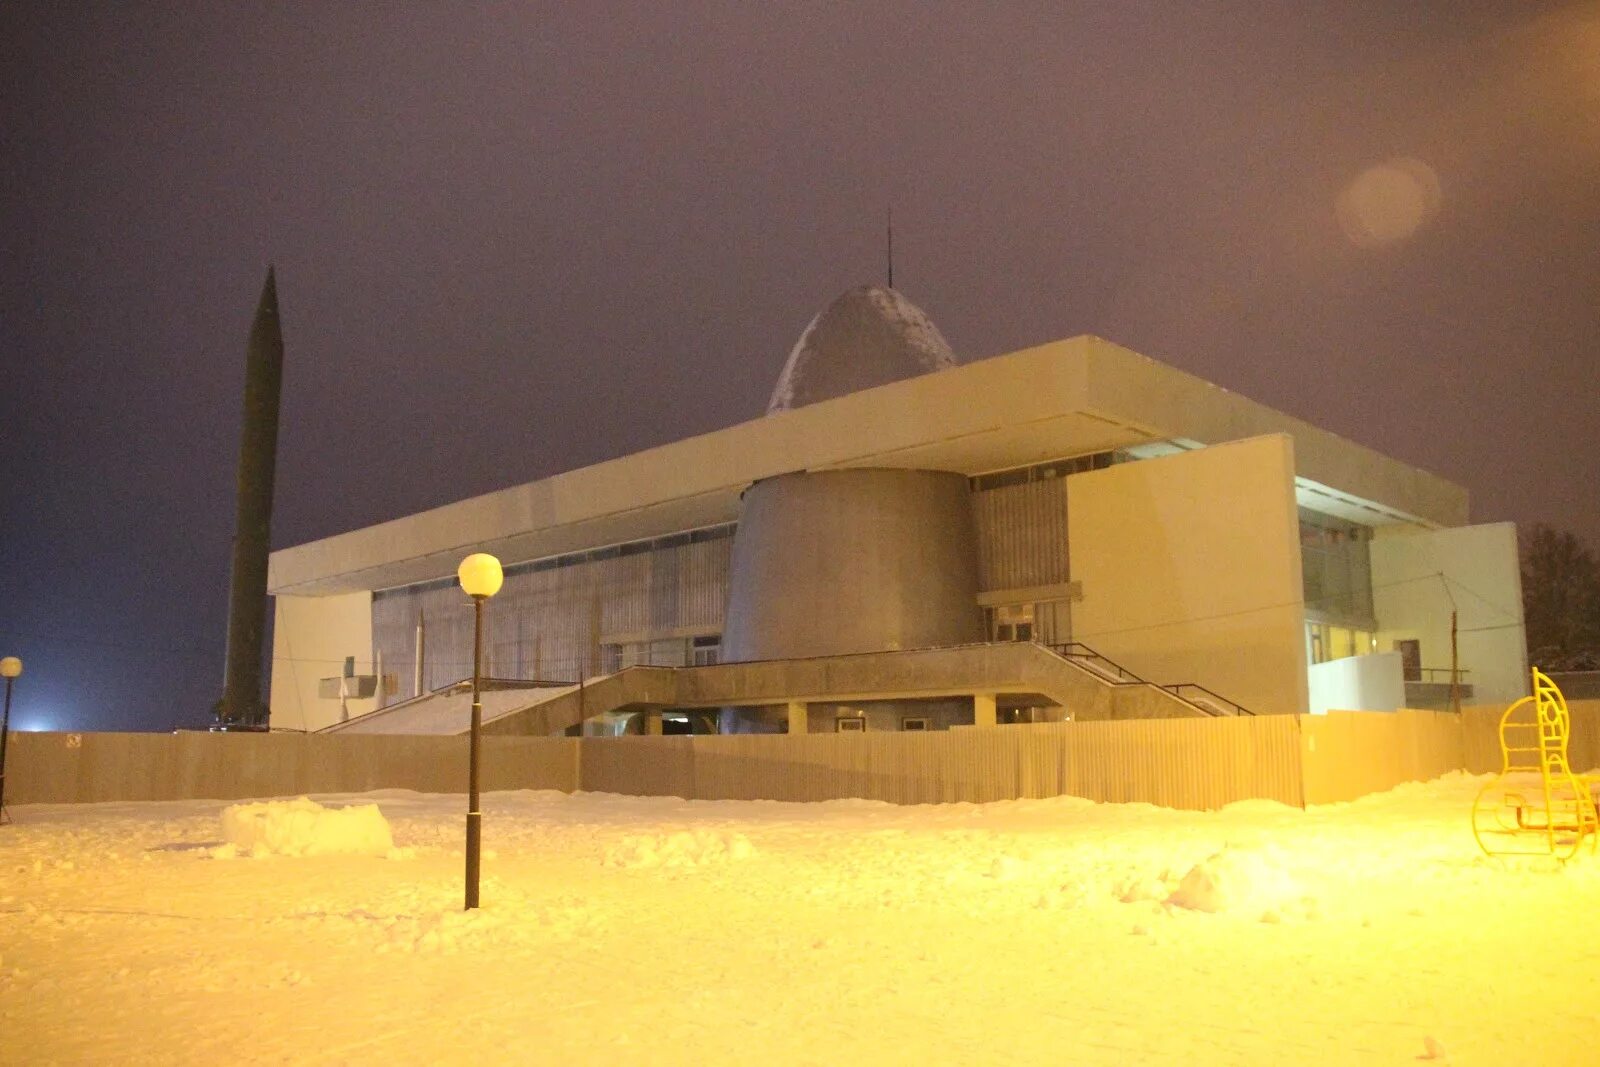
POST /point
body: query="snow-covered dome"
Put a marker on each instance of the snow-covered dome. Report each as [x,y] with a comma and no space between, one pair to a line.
[869,336]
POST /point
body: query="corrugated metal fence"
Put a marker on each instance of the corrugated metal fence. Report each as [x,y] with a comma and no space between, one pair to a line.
[1481,732]
[86,768]
[1185,763]
[1179,763]
[1348,754]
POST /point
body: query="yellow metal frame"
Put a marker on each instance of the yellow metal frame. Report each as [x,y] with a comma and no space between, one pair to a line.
[1536,805]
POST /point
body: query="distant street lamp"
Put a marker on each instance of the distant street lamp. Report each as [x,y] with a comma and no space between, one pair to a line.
[10,668]
[480,578]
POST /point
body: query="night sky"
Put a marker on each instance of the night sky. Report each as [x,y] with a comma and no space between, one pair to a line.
[512,239]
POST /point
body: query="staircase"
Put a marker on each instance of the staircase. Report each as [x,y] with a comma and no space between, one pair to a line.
[1074,676]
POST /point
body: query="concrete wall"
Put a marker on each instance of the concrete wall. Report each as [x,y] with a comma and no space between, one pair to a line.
[311,636]
[1190,570]
[1578,685]
[890,715]
[1418,576]
[835,562]
[1357,683]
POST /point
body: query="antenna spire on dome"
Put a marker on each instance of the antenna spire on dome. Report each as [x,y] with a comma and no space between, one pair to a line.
[891,246]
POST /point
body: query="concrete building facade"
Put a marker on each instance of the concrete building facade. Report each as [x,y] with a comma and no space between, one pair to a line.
[1143,524]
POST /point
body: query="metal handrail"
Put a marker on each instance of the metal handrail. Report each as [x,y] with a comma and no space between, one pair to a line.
[1238,708]
[451,689]
[1428,672]
[1077,650]
[1108,671]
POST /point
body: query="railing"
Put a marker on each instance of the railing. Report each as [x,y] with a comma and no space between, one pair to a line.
[1191,693]
[1089,659]
[1080,655]
[1435,675]
[1204,698]
[485,685]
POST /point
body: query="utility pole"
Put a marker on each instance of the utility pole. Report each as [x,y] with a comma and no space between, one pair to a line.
[1455,672]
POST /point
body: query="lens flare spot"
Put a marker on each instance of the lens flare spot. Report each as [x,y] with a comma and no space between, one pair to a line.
[1388,202]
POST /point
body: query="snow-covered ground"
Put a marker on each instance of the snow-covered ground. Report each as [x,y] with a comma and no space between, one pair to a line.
[650,930]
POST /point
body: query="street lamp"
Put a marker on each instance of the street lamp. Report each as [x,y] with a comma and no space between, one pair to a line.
[10,668]
[480,578]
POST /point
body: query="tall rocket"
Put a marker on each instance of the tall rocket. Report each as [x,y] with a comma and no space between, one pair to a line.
[241,703]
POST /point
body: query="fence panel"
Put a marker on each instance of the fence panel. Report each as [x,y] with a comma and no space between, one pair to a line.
[1349,754]
[1181,763]
[58,768]
[1481,736]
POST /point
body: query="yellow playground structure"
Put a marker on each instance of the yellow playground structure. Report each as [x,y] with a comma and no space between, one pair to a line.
[1536,805]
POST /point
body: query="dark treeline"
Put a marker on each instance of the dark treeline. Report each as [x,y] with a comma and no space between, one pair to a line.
[1560,599]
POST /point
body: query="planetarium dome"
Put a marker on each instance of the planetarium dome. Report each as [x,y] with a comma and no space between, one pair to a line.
[869,336]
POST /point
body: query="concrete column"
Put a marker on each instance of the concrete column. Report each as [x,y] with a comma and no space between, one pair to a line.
[652,723]
[983,709]
[799,720]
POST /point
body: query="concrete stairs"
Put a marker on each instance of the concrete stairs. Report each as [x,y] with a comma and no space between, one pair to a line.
[999,668]
[1087,686]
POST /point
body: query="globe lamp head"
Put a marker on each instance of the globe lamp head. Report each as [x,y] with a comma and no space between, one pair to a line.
[480,575]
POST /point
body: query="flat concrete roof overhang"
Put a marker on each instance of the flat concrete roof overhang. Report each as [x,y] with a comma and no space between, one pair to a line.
[1062,399]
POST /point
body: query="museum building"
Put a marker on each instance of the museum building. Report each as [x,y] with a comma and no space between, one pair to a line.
[871,553]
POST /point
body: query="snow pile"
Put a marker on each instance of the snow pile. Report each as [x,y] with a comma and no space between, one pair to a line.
[859,915]
[683,848]
[1007,868]
[509,918]
[1244,881]
[1138,887]
[304,828]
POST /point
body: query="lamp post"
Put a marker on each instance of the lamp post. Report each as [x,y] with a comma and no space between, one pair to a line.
[10,668]
[480,578]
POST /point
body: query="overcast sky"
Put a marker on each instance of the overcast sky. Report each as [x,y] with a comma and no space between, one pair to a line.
[512,239]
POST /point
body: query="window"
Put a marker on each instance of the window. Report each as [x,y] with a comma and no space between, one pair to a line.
[1012,622]
[850,724]
[1326,641]
[700,651]
[913,723]
[1336,569]
[1410,650]
[706,649]
[1057,468]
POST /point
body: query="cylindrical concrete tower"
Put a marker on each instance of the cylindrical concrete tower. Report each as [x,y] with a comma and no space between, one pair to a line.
[839,561]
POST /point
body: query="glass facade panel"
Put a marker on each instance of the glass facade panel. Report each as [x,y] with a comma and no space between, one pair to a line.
[1336,565]
[1038,472]
[1325,641]
[701,651]
[1011,622]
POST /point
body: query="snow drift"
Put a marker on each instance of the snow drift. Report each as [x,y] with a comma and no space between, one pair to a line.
[304,828]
